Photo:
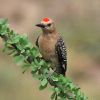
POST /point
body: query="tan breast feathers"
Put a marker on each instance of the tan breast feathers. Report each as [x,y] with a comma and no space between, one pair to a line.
[47,46]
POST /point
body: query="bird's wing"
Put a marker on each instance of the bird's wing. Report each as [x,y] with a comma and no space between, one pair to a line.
[62,54]
[36,42]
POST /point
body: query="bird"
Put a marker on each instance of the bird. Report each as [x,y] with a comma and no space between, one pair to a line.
[52,47]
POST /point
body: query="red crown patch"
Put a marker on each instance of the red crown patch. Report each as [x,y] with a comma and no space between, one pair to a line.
[46,19]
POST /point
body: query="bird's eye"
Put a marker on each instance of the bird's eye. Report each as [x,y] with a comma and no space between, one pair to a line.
[48,24]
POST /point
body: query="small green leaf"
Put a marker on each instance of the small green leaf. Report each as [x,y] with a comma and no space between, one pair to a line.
[54,78]
[44,82]
[41,62]
[3,21]
[57,90]
[16,39]
[34,67]
[2,33]
[19,59]
[42,87]
[33,72]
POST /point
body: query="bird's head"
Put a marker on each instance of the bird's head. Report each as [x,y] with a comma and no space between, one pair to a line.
[47,25]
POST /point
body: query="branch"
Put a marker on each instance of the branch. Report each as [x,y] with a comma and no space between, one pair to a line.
[28,56]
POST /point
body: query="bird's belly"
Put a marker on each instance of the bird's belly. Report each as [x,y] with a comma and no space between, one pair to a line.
[46,52]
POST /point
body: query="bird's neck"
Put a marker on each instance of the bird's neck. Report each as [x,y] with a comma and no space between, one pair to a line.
[51,35]
[47,32]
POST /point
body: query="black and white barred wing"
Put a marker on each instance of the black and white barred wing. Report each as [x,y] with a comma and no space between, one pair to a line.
[62,55]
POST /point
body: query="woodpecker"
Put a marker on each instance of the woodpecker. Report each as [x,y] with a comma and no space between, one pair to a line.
[52,46]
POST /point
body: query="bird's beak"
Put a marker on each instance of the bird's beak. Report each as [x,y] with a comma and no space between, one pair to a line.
[40,25]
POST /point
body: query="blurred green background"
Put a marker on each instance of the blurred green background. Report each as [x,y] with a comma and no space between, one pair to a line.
[78,21]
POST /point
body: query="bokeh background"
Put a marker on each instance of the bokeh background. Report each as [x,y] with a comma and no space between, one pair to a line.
[78,21]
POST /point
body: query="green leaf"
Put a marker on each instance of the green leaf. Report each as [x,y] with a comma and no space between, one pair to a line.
[24,41]
[16,39]
[54,78]
[35,52]
[2,33]
[33,72]
[42,87]
[57,90]
[19,59]
[41,62]
[34,68]
[3,21]
[44,82]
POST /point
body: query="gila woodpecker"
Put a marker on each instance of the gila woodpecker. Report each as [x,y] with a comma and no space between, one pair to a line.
[51,46]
